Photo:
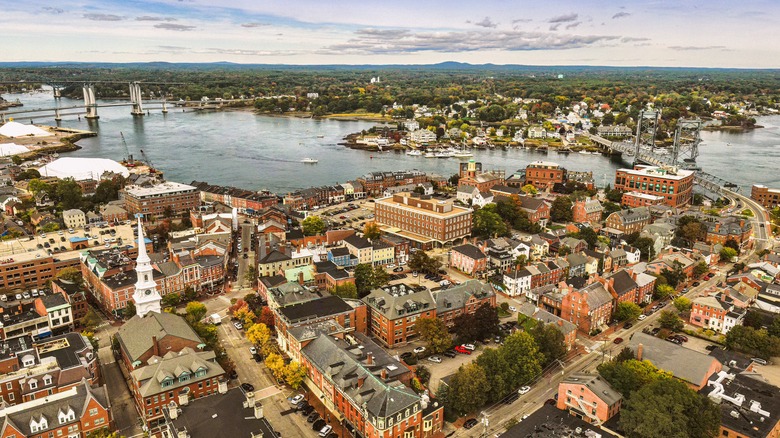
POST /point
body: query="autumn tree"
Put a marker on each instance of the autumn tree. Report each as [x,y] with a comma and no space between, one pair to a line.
[258,334]
[313,225]
[195,311]
[434,332]
[371,231]
[294,374]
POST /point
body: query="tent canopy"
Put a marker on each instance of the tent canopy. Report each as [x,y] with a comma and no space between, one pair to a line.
[82,168]
[16,129]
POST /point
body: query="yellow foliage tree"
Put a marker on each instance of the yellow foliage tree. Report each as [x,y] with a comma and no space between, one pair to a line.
[245,315]
[275,363]
[258,334]
[294,373]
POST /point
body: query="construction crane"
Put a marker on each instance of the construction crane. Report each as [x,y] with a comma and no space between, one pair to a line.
[129,158]
[148,162]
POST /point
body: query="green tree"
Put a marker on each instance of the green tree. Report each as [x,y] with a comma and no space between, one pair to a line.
[420,261]
[523,356]
[435,334]
[129,310]
[487,223]
[50,227]
[346,290]
[380,277]
[529,189]
[313,225]
[668,408]
[700,269]
[564,250]
[669,320]
[645,245]
[171,299]
[71,275]
[104,433]
[561,209]
[90,320]
[615,196]
[630,375]
[627,311]
[371,231]
[755,342]
[195,311]
[550,340]
[364,279]
[468,388]
[68,194]
[498,373]
[250,274]
[682,304]
[727,254]
[662,291]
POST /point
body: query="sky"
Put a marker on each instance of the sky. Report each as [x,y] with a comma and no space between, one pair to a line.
[674,33]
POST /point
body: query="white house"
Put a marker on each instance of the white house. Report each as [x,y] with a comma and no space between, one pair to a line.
[537,132]
[517,282]
[466,193]
[74,218]
[482,198]
[423,136]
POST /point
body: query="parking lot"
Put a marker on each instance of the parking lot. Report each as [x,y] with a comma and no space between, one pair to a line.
[347,214]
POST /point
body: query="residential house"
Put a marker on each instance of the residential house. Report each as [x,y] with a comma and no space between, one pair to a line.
[538,209]
[629,221]
[517,282]
[589,210]
[469,258]
[341,256]
[393,311]
[590,397]
[589,308]
[74,218]
[566,328]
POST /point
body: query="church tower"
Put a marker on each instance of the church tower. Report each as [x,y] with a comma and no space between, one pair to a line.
[146,297]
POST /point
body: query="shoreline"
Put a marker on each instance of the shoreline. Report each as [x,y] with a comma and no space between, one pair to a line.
[732,129]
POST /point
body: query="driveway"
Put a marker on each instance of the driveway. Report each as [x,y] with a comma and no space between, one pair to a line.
[128,423]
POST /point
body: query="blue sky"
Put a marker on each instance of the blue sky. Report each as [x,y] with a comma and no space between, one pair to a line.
[694,33]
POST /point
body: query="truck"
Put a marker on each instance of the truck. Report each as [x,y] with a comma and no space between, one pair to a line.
[214,318]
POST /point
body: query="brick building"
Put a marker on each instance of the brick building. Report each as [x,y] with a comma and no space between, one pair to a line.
[589,397]
[469,259]
[675,185]
[638,199]
[246,201]
[34,269]
[156,201]
[462,299]
[589,308]
[769,198]
[423,220]
[375,183]
[629,221]
[471,175]
[588,210]
[72,413]
[393,311]
[544,174]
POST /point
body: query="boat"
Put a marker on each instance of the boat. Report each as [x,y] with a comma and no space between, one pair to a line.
[320,136]
[430,155]
[564,150]
[584,152]
[414,153]
[728,144]
[308,160]
[462,154]
[542,149]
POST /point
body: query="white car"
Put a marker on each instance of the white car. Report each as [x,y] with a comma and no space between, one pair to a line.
[435,359]
[238,325]
[642,317]
[512,309]
[325,430]
[419,350]
[523,390]
[470,347]
[253,350]
[297,399]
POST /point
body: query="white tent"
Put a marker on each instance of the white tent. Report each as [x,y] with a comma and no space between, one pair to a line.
[16,129]
[7,149]
[82,168]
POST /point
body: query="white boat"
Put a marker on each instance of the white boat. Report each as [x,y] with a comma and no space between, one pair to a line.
[308,160]
[320,136]
[414,153]
[430,155]
[463,154]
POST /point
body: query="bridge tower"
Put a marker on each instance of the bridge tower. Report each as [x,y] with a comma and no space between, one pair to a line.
[645,130]
[135,99]
[57,91]
[687,137]
[89,101]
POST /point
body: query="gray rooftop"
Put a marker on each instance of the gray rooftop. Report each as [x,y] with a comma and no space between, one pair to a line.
[457,296]
[402,301]
[135,335]
[685,364]
[599,387]
[172,366]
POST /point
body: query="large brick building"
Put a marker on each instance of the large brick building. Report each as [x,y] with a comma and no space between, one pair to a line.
[424,220]
[588,210]
[589,397]
[769,198]
[589,308]
[156,201]
[471,175]
[629,221]
[393,311]
[375,183]
[246,201]
[469,258]
[675,185]
[544,174]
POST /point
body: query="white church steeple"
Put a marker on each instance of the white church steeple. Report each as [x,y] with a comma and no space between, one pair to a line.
[146,297]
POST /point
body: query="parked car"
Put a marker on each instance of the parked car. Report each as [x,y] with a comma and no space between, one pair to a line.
[238,325]
[414,274]
[233,375]
[435,359]
[642,317]
[248,387]
[512,309]
[460,349]
[674,340]
[618,340]
[470,347]
[406,355]
[449,353]
[710,347]
[419,350]
[759,361]
[681,337]
[549,401]
[253,350]
[524,390]
[318,424]
[398,269]
[627,325]
[307,411]
[325,430]
[696,283]
[471,422]
[655,331]
[297,399]
[313,416]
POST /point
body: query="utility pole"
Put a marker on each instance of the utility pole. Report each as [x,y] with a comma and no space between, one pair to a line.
[485,424]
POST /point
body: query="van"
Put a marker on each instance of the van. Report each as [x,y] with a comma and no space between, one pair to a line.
[759,361]
[3,298]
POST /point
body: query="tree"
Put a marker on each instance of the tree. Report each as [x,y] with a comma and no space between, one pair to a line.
[627,311]
[727,254]
[682,304]
[171,299]
[645,245]
[195,311]
[550,340]
[246,316]
[625,354]
[371,231]
[275,364]
[258,334]
[523,356]
[628,374]
[755,342]
[662,291]
[423,373]
[669,320]
[71,275]
[313,225]
[521,261]
[420,261]
[434,332]
[487,223]
[104,433]
[380,277]
[615,196]
[68,194]
[668,408]
[266,317]
[467,388]
[529,189]
[564,250]
[700,269]
[250,275]
[346,290]
[689,231]
[90,320]
[129,310]
[294,374]
[486,321]
[364,279]
[561,209]
[498,373]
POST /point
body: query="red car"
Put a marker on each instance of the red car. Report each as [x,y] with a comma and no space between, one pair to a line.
[618,340]
[462,350]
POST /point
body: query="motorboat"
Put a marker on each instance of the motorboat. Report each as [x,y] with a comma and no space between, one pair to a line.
[413,153]
[308,160]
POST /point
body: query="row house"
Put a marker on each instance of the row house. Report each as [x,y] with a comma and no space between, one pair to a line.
[469,259]
[538,209]
[246,201]
[538,247]
[328,276]
[719,313]
[401,248]
[629,221]
[374,183]
[366,397]
[722,229]
[341,256]
[567,329]
[353,190]
[545,273]
[76,295]
[393,311]
[517,282]
[589,308]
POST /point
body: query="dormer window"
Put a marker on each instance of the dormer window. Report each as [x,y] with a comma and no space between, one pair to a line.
[33,384]
[47,380]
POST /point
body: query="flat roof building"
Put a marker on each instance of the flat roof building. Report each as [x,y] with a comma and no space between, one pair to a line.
[675,185]
[422,219]
[156,201]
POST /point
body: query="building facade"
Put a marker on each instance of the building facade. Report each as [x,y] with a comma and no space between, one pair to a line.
[675,185]
[158,201]
[423,219]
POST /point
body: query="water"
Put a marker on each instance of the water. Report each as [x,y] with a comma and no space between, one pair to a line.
[242,149]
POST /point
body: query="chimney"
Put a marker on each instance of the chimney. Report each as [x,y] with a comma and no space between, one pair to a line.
[258,410]
[300,278]
[742,223]
[223,385]
[361,380]
[173,412]
[717,227]
[639,351]
[369,358]
[182,433]
[184,396]
[155,346]
[384,373]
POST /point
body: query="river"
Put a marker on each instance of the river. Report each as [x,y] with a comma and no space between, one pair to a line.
[242,149]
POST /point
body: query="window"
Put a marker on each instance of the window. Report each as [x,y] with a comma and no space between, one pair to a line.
[33,384]
[93,412]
